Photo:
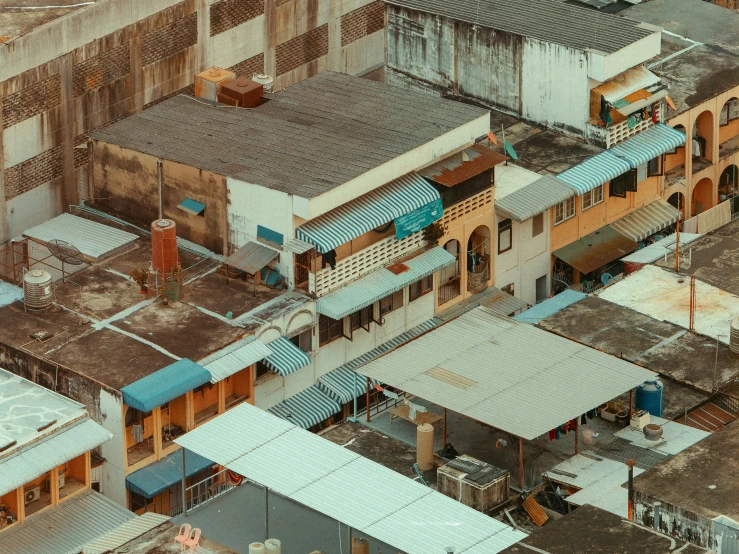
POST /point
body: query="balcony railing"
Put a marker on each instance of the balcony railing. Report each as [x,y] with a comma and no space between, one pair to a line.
[204,491]
[619,132]
[467,206]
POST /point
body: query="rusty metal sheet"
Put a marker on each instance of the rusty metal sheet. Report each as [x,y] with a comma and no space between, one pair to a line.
[596,249]
[463,165]
[534,510]
[251,257]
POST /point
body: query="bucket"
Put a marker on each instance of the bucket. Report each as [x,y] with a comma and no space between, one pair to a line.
[587,436]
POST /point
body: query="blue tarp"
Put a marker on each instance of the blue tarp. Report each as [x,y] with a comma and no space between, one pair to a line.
[167,472]
[164,385]
[550,306]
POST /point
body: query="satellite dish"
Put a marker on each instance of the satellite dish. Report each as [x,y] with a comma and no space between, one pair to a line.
[65,252]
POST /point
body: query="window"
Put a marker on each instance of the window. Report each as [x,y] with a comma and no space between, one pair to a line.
[361,319]
[328,329]
[421,287]
[262,369]
[623,184]
[541,289]
[537,225]
[391,302]
[505,235]
[304,340]
[134,416]
[564,211]
[137,501]
[654,167]
[592,197]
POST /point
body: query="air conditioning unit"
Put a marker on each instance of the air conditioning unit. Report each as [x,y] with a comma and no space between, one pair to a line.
[32,495]
[47,483]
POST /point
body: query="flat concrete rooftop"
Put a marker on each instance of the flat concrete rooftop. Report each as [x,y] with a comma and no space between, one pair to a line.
[18,17]
[160,540]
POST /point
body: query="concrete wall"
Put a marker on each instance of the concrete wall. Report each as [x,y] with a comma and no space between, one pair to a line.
[114,468]
[676,522]
[113,58]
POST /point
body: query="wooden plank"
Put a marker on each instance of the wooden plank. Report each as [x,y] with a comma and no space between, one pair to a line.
[535,512]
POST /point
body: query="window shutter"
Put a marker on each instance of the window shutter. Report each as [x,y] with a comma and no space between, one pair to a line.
[537,225]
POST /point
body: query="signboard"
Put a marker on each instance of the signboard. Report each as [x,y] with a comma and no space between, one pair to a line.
[418,219]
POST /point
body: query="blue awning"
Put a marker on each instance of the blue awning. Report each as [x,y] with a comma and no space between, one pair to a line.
[649,144]
[378,284]
[595,171]
[307,408]
[340,383]
[286,358]
[368,212]
[550,306]
[167,472]
[164,385]
[191,206]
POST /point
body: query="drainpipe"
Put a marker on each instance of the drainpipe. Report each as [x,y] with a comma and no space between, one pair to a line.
[160,171]
[656,515]
[631,464]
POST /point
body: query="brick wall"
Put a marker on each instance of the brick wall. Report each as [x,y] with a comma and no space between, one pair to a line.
[32,100]
[170,39]
[248,67]
[227,14]
[302,49]
[103,69]
[362,22]
[33,172]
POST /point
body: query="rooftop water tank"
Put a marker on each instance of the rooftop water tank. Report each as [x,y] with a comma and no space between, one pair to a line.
[164,255]
[273,546]
[734,336]
[265,80]
[649,397]
[256,548]
[37,291]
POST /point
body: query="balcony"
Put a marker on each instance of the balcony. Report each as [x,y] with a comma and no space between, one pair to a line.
[619,132]
[728,148]
[675,176]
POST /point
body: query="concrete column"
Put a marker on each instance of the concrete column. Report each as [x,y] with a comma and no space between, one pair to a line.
[136,77]
[205,45]
[4,216]
[270,38]
[334,35]
[68,193]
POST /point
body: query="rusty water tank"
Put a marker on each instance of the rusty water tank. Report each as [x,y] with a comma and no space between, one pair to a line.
[246,92]
[164,256]
[208,83]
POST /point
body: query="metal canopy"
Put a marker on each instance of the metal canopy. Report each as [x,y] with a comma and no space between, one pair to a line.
[225,363]
[647,221]
[595,172]
[191,206]
[251,257]
[596,249]
[164,385]
[307,408]
[368,212]
[510,375]
[535,198]
[285,358]
[336,482]
[649,144]
[166,473]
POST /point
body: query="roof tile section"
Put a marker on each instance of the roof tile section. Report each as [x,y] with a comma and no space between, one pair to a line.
[559,23]
[533,199]
[463,165]
[309,139]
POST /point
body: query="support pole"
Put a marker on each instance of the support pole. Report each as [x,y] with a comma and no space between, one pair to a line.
[631,404]
[677,238]
[520,463]
[443,434]
[577,435]
[368,399]
[354,419]
[692,303]
[160,178]
[266,512]
[631,464]
[184,484]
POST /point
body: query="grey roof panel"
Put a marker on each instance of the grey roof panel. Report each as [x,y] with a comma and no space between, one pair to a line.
[535,198]
[559,23]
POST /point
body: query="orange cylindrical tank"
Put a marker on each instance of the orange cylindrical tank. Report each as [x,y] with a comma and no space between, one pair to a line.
[164,256]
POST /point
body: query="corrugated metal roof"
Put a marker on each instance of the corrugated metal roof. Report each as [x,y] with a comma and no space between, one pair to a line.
[93,239]
[232,360]
[463,165]
[648,144]
[251,257]
[627,82]
[66,443]
[297,246]
[285,358]
[492,298]
[66,528]
[164,385]
[121,535]
[374,209]
[657,250]
[493,369]
[378,284]
[535,198]
[596,249]
[594,172]
[555,22]
[165,473]
[337,482]
[307,408]
[647,221]
[550,306]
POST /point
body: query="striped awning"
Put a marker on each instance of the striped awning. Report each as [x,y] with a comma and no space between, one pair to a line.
[647,220]
[595,172]
[649,144]
[225,363]
[307,408]
[368,212]
[286,358]
[341,385]
[378,284]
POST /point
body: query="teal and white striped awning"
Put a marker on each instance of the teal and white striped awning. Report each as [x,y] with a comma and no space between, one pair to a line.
[368,212]
[344,383]
[595,171]
[649,144]
[307,408]
[378,284]
[286,358]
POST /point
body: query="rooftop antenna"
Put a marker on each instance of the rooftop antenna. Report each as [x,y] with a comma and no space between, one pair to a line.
[67,254]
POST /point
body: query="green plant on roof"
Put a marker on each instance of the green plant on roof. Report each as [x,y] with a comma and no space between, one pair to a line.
[433,233]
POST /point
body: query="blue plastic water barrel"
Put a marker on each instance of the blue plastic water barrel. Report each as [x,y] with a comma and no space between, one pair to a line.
[649,397]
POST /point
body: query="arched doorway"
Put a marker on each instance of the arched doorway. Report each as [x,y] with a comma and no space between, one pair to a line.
[728,188]
[675,162]
[478,259]
[702,141]
[702,196]
[450,276]
[677,200]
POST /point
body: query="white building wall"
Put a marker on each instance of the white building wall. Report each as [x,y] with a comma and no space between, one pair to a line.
[113,472]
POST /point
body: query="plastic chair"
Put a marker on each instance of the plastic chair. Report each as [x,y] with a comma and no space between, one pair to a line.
[194,539]
[183,535]
[606,279]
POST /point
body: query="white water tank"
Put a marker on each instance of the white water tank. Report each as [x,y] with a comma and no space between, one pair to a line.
[273,546]
[37,291]
[256,548]
[734,336]
[266,81]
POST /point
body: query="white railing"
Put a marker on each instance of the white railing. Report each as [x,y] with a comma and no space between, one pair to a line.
[620,131]
[366,260]
[206,490]
[467,206]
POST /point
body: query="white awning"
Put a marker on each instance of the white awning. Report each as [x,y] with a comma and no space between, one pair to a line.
[510,375]
[225,363]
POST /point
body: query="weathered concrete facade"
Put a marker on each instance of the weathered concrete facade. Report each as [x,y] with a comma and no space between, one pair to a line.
[108,60]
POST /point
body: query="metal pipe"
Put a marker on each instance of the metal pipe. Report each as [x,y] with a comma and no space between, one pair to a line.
[266,511]
[577,435]
[520,463]
[656,515]
[184,484]
[160,171]
[631,464]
